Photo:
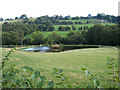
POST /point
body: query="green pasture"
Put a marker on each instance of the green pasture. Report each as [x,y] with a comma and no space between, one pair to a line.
[81,25]
[94,59]
[61,33]
[81,20]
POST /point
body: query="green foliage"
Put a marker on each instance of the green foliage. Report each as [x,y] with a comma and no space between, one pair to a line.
[75,38]
[29,78]
[6,38]
[7,57]
[103,35]
[37,38]
[95,83]
[23,16]
[54,38]
[114,72]
[59,74]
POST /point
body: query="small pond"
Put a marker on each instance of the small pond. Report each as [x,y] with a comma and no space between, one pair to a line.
[65,48]
[37,49]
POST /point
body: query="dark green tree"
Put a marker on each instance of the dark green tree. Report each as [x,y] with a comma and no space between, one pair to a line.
[27,40]
[37,38]
[73,27]
[25,20]
[23,16]
[16,18]
[54,38]
[6,38]
[1,19]
[99,34]
[75,38]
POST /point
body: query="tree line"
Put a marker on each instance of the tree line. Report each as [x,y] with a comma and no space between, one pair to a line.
[55,19]
[96,35]
[68,28]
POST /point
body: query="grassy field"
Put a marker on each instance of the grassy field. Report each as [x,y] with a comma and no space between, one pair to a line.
[61,33]
[82,25]
[81,20]
[94,59]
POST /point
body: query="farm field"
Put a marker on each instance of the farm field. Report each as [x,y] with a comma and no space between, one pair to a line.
[61,33]
[81,20]
[94,59]
[82,25]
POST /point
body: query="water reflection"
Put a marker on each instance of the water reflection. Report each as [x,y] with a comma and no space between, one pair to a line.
[37,49]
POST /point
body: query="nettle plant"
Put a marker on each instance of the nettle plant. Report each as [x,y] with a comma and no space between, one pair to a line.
[60,75]
[114,72]
[26,77]
[95,83]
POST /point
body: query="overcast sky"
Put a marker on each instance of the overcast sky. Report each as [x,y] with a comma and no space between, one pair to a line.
[36,8]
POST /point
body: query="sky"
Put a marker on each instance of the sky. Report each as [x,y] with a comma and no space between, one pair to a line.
[36,8]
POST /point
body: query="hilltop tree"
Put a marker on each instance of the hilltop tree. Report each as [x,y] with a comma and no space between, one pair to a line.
[23,16]
[1,19]
[16,18]
[99,16]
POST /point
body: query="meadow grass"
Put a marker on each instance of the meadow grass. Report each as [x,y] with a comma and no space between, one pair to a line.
[94,59]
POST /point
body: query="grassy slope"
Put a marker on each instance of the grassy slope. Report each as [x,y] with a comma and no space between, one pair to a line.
[70,61]
[19,20]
